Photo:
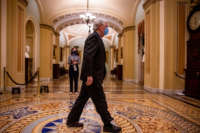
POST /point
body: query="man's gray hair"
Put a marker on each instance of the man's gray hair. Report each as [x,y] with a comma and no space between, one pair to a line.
[97,23]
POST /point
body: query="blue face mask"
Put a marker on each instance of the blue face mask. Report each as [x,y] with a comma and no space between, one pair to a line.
[106,31]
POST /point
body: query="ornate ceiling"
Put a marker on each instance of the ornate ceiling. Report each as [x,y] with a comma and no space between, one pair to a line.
[63,21]
[81,30]
[64,16]
[76,35]
[57,12]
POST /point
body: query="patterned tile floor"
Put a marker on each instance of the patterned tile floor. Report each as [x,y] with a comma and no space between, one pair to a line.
[134,109]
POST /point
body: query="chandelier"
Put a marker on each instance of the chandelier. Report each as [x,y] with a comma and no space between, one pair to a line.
[88,17]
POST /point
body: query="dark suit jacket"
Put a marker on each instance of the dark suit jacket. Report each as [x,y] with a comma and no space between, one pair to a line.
[94,58]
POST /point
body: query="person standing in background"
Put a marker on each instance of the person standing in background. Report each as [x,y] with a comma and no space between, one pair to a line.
[74,61]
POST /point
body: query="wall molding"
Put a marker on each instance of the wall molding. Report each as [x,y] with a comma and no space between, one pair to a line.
[163,91]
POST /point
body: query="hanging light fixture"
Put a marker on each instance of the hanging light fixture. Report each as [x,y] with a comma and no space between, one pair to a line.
[88,17]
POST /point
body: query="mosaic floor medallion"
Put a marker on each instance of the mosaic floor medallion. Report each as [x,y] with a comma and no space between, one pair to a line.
[135,110]
[133,118]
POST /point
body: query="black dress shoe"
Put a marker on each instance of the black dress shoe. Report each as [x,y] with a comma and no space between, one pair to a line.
[74,124]
[112,128]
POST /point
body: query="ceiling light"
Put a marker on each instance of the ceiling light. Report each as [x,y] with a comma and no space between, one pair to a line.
[88,18]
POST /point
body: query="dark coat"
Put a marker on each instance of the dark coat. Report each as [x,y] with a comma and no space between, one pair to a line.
[94,58]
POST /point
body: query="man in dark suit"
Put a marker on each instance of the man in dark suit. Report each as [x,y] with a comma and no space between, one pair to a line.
[92,74]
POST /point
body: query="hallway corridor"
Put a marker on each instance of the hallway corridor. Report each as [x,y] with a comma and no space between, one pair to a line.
[150,50]
[134,109]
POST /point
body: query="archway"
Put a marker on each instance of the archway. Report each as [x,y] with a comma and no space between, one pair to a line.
[29,50]
[75,35]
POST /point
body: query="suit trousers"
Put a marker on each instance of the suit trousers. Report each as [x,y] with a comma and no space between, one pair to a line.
[73,77]
[96,93]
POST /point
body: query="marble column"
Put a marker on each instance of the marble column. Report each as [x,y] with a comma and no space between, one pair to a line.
[1,81]
[57,49]
[119,49]
[67,55]
[112,48]
[47,34]
[128,54]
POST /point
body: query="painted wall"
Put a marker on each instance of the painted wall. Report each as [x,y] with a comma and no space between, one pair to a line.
[161,47]
[171,82]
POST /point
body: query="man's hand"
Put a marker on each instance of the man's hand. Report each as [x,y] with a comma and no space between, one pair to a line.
[89,80]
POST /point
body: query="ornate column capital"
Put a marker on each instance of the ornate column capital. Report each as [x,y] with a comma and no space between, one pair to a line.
[128,28]
[112,46]
[67,46]
[24,2]
[49,27]
[120,35]
[147,3]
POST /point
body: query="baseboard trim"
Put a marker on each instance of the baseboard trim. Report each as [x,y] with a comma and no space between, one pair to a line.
[164,91]
[45,79]
[131,80]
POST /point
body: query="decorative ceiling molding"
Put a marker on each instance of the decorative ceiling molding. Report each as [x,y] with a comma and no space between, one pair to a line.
[119,35]
[71,19]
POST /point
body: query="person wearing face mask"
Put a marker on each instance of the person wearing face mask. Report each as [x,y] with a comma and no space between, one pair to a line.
[92,74]
[73,61]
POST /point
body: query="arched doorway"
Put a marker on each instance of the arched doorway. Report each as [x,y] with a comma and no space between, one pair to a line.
[139,23]
[29,52]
